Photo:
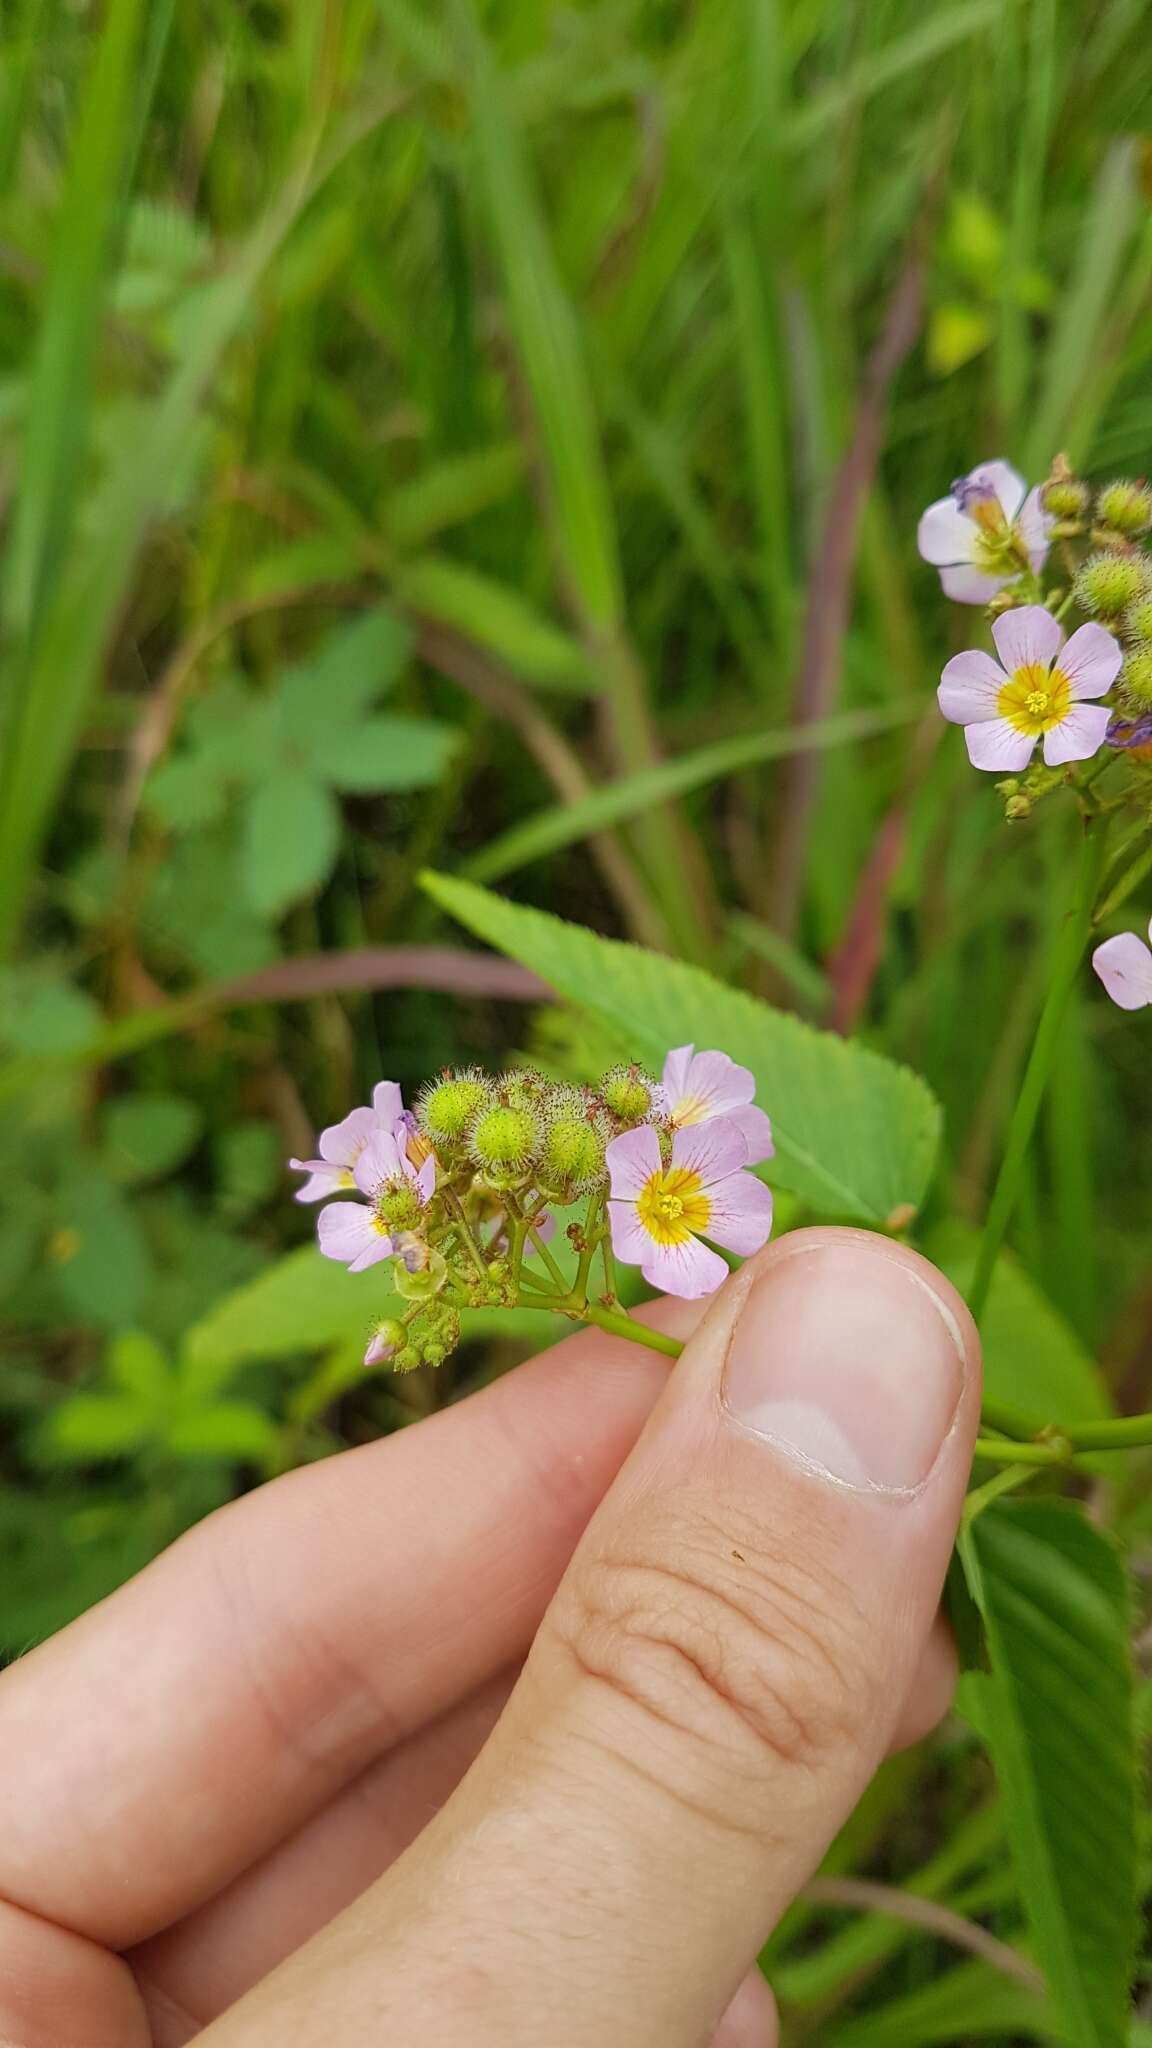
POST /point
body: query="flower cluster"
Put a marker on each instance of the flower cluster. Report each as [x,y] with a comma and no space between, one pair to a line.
[992,541]
[461,1193]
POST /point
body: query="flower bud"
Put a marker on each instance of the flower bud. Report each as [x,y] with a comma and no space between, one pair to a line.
[1126,507]
[505,1140]
[450,1107]
[1018,807]
[1135,680]
[628,1092]
[388,1338]
[406,1359]
[1109,583]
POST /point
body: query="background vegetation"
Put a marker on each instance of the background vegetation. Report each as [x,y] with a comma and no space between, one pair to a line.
[492,440]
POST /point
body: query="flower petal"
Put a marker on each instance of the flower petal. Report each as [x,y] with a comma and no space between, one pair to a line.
[341,1144]
[388,1103]
[323,1180]
[741,1218]
[1026,636]
[1124,965]
[378,1351]
[688,1270]
[966,585]
[946,534]
[1006,482]
[1035,526]
[632,1159]
[677,1065]
[713,1150]
[1078,736]
[970,686]
[998,745]
[380,1161]
[630,1241]
[711,1085]
[426,1179]
[349,1231]
[1091,661]
[756,1131]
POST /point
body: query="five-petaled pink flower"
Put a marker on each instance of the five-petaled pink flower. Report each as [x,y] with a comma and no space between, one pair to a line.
[1124,965]
[341,1144]
[1039,693]
[660,1212]
[985,533]
[697,1087]
[357,1232]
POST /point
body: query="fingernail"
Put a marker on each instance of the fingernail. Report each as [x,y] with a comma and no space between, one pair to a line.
[848,1360]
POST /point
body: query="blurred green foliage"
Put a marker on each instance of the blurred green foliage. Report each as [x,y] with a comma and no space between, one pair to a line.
[420,444]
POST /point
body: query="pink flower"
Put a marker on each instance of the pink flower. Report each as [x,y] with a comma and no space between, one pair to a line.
[659,1213]
[1124,965]
[1039,692]
[341,1144]
[379,1350]
[357,1232]
[697,1087]
[982,535]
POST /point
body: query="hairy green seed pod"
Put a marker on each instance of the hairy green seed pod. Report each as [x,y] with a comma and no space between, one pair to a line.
[448,1109]
[628,1092]
[1126,507]
[1137,620]
[1066,497]
[400,1208]
[572,1155]
[1136,679]
[406,1359]
[1108,584]
[505,1140]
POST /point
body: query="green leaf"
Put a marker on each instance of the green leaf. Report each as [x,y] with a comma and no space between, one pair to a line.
[228,1429]
[956,333]
[291,834]
[1033,1359]
[385,754]
[149,1135]
[137,1364]
[453,491]
[104,1266]
[40,1013]
[1057,1711]
[496,618]
[187,790]
[856,1135]
[969,2003]
[342,677]
[94,1426]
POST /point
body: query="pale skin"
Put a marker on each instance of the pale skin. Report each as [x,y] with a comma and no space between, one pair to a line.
[524,1725]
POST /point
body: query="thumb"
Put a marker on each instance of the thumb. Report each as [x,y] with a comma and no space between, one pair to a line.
[719,1674]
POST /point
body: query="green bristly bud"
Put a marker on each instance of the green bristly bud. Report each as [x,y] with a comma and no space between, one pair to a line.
[1136,679]
[406,1359]
[628,1093]
[505,1140]
[1066,498]
[449,1109]
[400,1208]
[1125,507]
[1137,620]
[572,1155]
[1018,807]
[1108,584]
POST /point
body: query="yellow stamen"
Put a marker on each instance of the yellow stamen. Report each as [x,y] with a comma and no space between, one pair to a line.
[1035,699]
[672,1205]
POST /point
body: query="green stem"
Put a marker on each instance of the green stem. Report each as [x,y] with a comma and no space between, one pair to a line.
[1065,967]
[617,1324]
[464,1230]
[540,1246]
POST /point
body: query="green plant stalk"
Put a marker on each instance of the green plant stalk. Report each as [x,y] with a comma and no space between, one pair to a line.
[1066,963]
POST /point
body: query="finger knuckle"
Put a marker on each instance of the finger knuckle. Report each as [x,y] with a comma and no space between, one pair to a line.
[704,1634]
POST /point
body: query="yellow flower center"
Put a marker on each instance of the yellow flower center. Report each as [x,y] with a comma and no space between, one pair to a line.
[691,1109]
[1035,699]
[672,1205]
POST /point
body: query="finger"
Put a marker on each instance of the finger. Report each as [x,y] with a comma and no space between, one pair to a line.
[265,1659]
[721,1672]
[930,1694]
[750,2021]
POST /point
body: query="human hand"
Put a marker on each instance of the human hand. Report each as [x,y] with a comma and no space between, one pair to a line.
[288,1786]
